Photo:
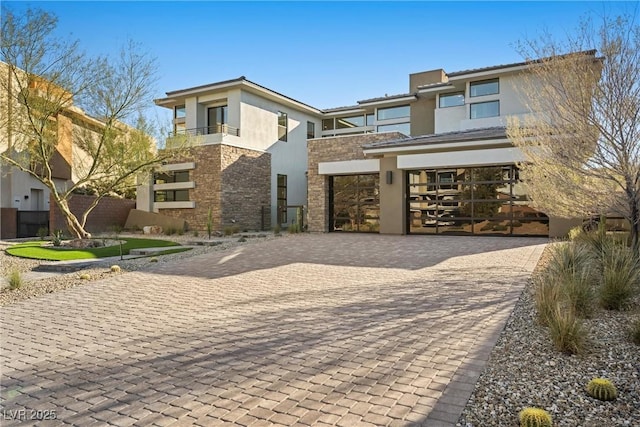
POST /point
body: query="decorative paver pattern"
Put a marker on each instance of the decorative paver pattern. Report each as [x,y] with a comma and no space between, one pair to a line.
[344,330]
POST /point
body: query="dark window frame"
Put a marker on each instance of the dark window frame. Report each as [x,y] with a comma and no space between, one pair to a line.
[311,130]
[495,101]
[448,95]
[283,126]
[478,83]
[281,202]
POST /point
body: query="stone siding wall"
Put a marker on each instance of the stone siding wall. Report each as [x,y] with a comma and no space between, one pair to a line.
[110,212]
[246,187]
[206,193]
[233,182]
[333,149]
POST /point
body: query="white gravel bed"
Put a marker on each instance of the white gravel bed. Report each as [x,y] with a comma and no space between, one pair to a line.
[59,281]
[525,370]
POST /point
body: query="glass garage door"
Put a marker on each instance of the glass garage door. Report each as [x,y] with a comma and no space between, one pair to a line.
[354,203]
[485,201]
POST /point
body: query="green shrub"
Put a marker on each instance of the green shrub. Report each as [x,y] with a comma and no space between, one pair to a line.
[575,233]
[43,232]
[572,268]
[195,233]
[620,277]
[170,231]
[15,279]
[634,331]
[602,389]
[56,238]
[115,269]
[535,417]
[228,231]
[566,330]
[154,259]
[547,295]
[277,229]
[294,228]
[84,276]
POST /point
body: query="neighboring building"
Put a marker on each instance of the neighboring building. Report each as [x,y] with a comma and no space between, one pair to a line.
[250,160]
[434,160]
[25,202]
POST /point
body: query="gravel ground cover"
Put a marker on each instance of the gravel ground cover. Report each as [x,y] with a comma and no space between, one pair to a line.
[525,370]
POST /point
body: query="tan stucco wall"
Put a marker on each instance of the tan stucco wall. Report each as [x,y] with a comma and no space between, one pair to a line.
[339,148]
[559,227]
[393,210]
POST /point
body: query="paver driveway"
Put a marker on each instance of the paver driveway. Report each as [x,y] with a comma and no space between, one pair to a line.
[330,329]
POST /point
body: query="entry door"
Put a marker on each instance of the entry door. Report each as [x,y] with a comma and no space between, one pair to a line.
[216,119]
[37,199]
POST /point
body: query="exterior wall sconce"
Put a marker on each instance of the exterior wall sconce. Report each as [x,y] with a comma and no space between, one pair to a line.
[389,176]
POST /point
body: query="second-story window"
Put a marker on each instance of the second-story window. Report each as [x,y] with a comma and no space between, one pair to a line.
[484,87]
[394,112]
[485,109]
[451,99]
[179,112]
[283,126]
[216,119]
[311,130]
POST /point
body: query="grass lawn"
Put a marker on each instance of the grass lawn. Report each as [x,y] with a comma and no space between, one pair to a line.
[36,251]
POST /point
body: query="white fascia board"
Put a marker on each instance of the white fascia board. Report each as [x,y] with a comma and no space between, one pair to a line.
[410,98]
[489,73]
[349,167]
[344,112]
[174,186]
[174,205]
[436,89]
[436,147]
[468,158]
[177,167]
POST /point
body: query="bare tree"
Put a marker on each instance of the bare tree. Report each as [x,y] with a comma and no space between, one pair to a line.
[46,80]
[583,144]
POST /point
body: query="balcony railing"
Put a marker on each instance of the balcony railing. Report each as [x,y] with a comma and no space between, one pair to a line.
[209,130]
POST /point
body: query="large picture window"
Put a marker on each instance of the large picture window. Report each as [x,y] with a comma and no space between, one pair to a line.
[216,119]
[482,200]
[451,99]
[484,87]
[482,110]
[394,112]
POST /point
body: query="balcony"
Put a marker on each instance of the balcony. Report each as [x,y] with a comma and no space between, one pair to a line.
[203,135]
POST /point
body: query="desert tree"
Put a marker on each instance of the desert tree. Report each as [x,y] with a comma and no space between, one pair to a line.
[55,93]
[583,143]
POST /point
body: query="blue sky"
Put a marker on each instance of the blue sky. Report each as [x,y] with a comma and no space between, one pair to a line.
[326,54]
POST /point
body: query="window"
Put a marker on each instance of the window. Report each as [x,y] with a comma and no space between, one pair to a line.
[484,87]
[179,112]
[282,199]
[170,177]
[327,124]
[370,119]
[216,119]
[171,196]
[311,130]
[283,126]
[404,128]
[451,99]
[349,122]
[485,109]
[393,112]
